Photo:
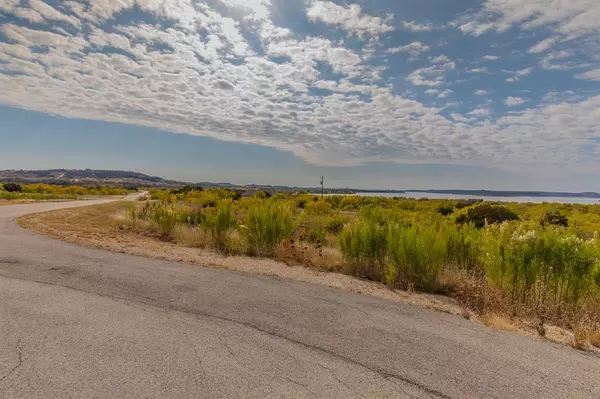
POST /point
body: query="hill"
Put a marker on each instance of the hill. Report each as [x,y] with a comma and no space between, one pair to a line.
[86,177]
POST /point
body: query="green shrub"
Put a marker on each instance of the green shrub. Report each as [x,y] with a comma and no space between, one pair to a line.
[318,208]
[554,218]
[262,195]
[219,225]
[479,215]
[446,209]
[417,255]
[466,203]
[13,187]
[301,204]
[267,225]
[540,267]
[464,247]
[166,217]
[363,246]
[335,224]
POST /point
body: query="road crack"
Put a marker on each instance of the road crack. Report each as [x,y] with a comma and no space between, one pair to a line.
[19,364]
[198,313]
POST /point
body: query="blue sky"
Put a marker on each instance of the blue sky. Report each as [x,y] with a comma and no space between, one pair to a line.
[495,94]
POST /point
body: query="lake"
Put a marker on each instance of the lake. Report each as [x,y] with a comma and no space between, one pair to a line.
[417,195]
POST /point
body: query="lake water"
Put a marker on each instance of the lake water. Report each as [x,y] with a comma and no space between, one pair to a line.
[418,195]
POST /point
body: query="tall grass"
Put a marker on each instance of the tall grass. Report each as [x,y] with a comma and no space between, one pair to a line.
[363,244]
[220,224]
[416,256]
[546,269]
[267,224]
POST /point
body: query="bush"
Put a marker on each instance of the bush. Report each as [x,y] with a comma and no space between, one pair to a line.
[466,203]
[301,203]
[363,246]
[318,208]
[166,218]
[13,187]
[446,209]
[479,215]
[554,218]
[541,268]
[262,194]
[267,225]
[219,224]
[335,224]
[416,255]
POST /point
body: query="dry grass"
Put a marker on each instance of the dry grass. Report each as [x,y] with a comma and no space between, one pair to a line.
[501,322]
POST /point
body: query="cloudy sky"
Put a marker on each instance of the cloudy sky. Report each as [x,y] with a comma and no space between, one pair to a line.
[376,93]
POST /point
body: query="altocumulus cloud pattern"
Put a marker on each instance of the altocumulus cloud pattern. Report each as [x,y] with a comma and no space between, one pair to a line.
[509,83]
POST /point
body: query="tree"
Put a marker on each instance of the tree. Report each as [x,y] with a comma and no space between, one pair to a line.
[13,187]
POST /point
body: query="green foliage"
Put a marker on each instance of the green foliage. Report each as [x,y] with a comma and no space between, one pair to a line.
[543,266]
[466,203]
[166,218]
[335,223]
[446,209]
[554,218]
[13,187]
[363,245]
[463,247]
[267,224]
[417,255]
[220,224]
[262,195]
[318,208]
[301,203]
[491,214]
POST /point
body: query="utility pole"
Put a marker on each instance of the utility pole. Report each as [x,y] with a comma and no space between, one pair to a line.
[322,190]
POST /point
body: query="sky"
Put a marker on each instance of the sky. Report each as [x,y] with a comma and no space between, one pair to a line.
[475,94]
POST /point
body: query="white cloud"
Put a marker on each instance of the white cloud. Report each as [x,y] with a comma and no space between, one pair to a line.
[480,92]
[441,59]
[438,93]
[568,20]
[590,75]
[229,72]
[480,113]
[490,57]
[350,18]
[50,13]
[514,101]
[414,49]
[430,76]
[519,74]
[478,70]
[460,118]
[544,45]
[414,26]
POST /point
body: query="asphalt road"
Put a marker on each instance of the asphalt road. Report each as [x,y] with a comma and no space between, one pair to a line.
[79,322]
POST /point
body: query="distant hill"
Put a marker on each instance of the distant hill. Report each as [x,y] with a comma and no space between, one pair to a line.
[86,177]
[492,193]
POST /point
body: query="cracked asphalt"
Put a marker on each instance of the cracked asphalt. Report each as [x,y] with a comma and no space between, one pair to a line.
[81,322]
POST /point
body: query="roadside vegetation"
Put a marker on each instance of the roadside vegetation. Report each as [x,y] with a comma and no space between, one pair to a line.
[533,263]
[47,192]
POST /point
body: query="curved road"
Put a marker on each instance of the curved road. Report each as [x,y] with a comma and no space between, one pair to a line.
[80,322]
